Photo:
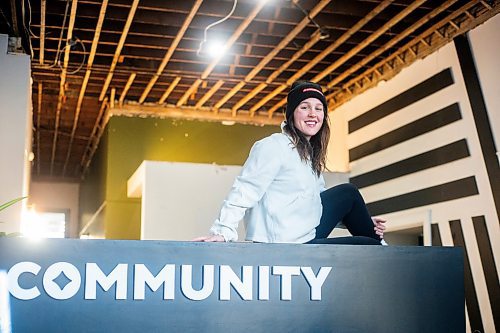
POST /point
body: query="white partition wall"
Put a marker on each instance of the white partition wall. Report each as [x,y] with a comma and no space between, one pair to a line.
[180,201]
[15,133]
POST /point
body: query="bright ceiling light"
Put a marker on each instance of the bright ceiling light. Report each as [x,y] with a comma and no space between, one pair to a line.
[216,49]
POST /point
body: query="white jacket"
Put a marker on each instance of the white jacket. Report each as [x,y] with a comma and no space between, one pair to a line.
[276,194]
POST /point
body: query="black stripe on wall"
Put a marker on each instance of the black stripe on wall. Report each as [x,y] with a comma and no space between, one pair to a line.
[480,114]
[448,191]
[439,156]
[421,126]
[433,84]
[489,267]
[470,292]
[436,236]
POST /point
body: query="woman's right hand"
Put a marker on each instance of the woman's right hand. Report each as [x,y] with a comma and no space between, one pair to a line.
[211,238]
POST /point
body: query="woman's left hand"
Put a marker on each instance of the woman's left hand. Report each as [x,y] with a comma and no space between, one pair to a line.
[379,224]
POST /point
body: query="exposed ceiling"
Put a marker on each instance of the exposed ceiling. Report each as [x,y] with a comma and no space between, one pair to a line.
[92,59]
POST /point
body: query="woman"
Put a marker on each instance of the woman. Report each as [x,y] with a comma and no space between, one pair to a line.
[280,192]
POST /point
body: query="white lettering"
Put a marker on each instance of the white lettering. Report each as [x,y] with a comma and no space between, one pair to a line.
[286,273]
[228,278]
[62,280]
[187,280]
[52,288]
[315,282]
[13,280]
[143,276]
[264,283]
[94,275]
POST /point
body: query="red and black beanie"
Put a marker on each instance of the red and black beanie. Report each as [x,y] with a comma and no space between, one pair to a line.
[302,90]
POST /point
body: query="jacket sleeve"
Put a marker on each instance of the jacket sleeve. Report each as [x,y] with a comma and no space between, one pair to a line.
[322,184]
[259,170]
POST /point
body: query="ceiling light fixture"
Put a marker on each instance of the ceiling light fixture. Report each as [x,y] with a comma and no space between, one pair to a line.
[211,48]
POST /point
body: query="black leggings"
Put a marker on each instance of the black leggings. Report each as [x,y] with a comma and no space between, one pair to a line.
[345,203]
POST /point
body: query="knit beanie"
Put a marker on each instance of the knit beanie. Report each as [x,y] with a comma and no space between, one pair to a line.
[302,90]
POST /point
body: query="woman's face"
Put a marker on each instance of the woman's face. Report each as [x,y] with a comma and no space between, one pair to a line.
[308,117]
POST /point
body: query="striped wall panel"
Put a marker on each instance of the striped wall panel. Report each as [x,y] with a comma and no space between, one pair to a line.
[435,157]
[489,267]
[424,125]
[470,292]
[433,84]
[480,115]
[427,151]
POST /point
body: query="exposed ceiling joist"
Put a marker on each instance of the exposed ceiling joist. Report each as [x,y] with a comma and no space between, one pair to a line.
[126,88]
[410,53]
[42,30]
[209,94]
[237,33]
[149,53]
[169,90]
[118,51]
[323,54]
[391,43]
[171,50]
[60,100]
[81,95]
[405,12]
[284,42]
[189,112]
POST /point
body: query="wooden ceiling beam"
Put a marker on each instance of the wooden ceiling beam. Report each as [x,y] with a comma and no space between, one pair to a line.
[61,97]
[126,88]
[171,50]
[392,22]
[169,90]
[342,39]
[246,22]
[209,93]
[190,112]
[81,95]
[405,12]
[271,55]
[42,31]
[344,94]
[118,51]
[38,120]
[391,43]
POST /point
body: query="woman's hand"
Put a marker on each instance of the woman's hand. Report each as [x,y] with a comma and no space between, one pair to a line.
[379,224]
[211,238]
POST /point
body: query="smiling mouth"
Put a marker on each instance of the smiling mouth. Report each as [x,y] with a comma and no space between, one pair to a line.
[311,123]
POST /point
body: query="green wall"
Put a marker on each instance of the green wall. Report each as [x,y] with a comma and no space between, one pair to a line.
[93,188]
[132,140]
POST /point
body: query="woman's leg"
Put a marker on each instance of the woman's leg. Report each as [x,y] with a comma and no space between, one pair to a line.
[345,203]
[353,240]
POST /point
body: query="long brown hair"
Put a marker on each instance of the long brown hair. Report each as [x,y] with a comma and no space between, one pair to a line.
[314,149]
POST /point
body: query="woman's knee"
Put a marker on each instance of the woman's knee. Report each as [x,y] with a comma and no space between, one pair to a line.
[348,189]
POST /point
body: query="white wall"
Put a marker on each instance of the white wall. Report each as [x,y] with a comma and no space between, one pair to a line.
[15,133]
[485,41]
[54,197]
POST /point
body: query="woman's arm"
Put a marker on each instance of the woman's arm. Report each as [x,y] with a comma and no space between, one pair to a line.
[259,170]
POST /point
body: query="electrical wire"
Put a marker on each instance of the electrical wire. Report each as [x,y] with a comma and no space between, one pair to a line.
[23,18]
[212,25]
[323,34]
[29,21]
[73,43]
[56,58]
